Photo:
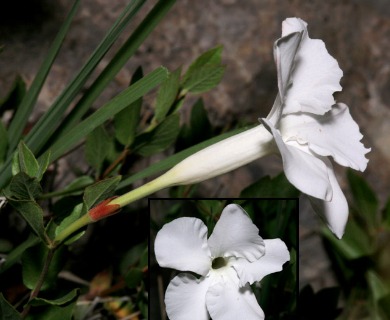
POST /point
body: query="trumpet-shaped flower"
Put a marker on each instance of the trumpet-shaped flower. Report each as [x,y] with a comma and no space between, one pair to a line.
[232,258]
[305,126]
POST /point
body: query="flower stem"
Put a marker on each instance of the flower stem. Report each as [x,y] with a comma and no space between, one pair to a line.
[73,227]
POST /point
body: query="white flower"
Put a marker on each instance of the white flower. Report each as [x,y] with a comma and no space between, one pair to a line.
[233,257]
[307,124]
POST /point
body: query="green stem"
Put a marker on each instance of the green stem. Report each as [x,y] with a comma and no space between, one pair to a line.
[157,184]
[73,227]
[141,192]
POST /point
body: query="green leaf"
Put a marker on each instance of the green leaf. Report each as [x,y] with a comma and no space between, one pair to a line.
[386,213]
[118,61]
[33,214]
[100,191]
[97,148]
[26,106]
[204,78]
[76,187]
[43,163]
[14,96]
[7,311]
[15,255]
[134,277]
[33,260]
[78,211]
[70,296]
[53,312]
[133,258]
[24,187]
[117,104]
[3,143]
[210,57]
[199,128]
[167,95]
[378,289]
[205,72]
[267,187]
[48,124]
[364,199]
[27,161]
[126,121]
[355,243]
[158,139]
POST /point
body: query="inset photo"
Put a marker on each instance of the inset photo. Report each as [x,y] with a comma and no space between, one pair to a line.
[223,259]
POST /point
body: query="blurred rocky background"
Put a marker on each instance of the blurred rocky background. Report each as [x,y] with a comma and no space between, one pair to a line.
[356,33]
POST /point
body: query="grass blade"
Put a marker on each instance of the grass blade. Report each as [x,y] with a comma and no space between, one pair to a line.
[27,104]
[125,52]
[121,101]
[45,127]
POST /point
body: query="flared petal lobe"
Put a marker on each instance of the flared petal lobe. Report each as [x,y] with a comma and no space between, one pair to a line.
[305,171]
[276,254]
[316,74]
[228,302]
[182,245]
[334,212]
[185,298]
[236,235]
[336,134]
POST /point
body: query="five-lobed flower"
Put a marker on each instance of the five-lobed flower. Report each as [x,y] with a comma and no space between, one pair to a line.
[232,258]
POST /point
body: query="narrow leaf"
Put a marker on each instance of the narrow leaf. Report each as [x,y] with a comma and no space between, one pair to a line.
[117,104]
[100,191]
[365,201]
[43,163]
[126,121]
[97,148]
[27,161]
[118,61]
[160,138]
[77,212]
[211,57]
[23,187]
[15,255]
[24,110]
[33,214]
[48,124]
[56,302]
[3,143]
[167,95]
[204,78]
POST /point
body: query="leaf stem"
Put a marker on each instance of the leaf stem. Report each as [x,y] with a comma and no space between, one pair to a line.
[41,279]
[73,227]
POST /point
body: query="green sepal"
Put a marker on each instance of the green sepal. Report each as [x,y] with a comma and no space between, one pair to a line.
[100,191]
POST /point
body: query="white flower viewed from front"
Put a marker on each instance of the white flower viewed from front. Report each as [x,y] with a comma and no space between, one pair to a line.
[232,258]
[307,124]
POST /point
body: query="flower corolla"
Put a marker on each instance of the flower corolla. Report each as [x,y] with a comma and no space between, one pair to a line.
[232,258]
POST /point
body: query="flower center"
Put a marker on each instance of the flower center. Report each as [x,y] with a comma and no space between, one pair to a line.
[218,263]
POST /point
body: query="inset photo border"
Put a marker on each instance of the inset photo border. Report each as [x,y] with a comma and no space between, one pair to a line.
[260,235]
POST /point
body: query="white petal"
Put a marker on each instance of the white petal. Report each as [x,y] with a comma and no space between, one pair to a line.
[316,74]
[236,235]
[182,245]
[335,212]
[336,134]
[228,302]
[185,298]
[276,254]
[305,171]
